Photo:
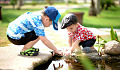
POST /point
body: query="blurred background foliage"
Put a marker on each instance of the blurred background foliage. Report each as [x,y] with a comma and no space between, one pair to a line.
[104,19]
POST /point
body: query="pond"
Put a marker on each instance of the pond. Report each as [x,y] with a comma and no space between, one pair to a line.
[61,63]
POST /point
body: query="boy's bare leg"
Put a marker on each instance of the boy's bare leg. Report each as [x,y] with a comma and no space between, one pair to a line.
[29,44]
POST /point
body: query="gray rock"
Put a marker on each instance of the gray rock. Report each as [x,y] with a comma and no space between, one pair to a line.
[112,48]
[87,50]
[11,60]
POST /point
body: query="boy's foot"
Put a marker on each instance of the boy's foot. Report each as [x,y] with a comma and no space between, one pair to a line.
[30,52]
[35,49]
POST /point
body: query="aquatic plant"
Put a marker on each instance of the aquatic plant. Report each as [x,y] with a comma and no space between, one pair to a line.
[88,65]
[102,44]
[113,35]
[80,57]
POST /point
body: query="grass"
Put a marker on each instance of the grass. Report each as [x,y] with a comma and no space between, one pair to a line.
[3,39]
[104,19]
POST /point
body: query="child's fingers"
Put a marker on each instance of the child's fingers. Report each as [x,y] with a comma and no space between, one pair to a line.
[58,53]
[61,53]
[53,53]
[67,53]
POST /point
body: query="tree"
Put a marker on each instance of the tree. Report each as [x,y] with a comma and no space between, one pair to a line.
[119,2]
[105,4]
[13,2]
[19,4]
[85,1]
[66,1]
[49,1]
[92,11]
[4,1]
[97,5]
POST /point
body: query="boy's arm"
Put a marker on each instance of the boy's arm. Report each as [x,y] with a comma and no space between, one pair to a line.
[75,44]
[48,44]
[69,51]
[69,41]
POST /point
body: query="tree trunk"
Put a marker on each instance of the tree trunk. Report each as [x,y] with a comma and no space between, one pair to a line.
[0,13]
[4,1]
[92,11]
[119,2]
[19,4]
[66,2]
[49,1]
[85,1]
[97,4]
[13,6]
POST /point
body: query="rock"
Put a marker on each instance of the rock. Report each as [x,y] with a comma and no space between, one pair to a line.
[11,60]
[112,48]
[87,50]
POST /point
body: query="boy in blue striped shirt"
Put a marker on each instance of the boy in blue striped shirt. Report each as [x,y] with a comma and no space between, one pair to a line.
[28,28]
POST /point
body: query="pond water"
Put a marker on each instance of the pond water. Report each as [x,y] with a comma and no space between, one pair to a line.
[62,64]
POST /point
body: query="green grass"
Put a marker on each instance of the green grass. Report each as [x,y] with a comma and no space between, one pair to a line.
[3,38]
[104,19]
[9,15]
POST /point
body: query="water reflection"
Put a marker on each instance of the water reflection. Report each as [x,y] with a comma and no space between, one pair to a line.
[58,65]
[107,65]
[62,64]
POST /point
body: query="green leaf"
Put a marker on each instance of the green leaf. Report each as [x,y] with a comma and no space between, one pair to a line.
[112,34]
[116,35]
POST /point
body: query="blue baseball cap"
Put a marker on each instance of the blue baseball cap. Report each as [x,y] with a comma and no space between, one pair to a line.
[54,15]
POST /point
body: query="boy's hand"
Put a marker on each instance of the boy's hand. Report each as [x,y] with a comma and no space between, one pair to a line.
[67,51]
[58,52]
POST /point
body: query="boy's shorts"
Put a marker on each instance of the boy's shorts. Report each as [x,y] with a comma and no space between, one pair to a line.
[87,43]
[30,36]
